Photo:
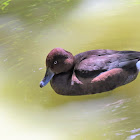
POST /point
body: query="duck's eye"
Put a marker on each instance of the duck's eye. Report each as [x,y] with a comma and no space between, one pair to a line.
[55,62]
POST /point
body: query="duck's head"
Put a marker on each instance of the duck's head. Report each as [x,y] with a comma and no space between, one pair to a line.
[57,61]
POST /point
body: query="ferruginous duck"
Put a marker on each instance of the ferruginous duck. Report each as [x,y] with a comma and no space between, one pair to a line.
[90,72]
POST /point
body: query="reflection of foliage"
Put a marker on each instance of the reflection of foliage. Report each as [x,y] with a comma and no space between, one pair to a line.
[37,12]
[4,4]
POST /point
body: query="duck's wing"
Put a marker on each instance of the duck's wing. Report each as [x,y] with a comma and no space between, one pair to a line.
[89,63]
[94,65]
[113,78]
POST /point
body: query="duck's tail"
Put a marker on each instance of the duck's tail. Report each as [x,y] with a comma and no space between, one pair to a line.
[138,65]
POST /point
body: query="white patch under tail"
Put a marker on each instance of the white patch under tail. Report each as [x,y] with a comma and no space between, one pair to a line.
[138,65]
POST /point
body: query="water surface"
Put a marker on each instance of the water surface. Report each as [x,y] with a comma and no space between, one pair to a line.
[28,31]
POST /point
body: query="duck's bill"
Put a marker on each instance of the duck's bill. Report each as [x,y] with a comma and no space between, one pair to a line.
[48,76]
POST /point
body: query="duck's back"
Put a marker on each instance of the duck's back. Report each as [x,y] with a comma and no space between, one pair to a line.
[104,60]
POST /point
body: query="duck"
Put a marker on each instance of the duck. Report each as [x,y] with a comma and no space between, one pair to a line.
[90,72]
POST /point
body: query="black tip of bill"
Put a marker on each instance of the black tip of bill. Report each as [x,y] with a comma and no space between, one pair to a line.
[41,85]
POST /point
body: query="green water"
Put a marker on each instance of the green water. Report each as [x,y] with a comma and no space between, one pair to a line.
[29,29]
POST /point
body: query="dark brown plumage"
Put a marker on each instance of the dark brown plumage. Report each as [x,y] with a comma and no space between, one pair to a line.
[90,72]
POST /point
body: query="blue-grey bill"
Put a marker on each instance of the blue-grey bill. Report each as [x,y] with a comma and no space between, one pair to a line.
[48,76]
